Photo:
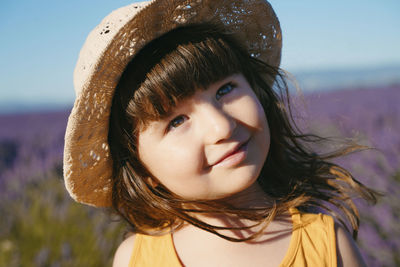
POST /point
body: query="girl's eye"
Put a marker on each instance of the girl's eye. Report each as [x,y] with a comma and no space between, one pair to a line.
[176,122]
[225,89]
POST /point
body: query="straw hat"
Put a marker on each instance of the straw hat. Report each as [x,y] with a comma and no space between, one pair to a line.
[110,47]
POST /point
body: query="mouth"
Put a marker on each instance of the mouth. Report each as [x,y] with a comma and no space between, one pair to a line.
[233,157]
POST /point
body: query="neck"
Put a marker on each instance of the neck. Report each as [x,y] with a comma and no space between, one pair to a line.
[242,228]
[252,198]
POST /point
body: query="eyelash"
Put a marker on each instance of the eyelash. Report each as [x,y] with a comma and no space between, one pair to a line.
[173,124]
[229,85]
[177,121]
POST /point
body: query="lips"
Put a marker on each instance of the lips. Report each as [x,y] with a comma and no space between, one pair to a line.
[233,156]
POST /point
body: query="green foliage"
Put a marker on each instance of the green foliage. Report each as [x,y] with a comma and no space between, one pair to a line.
[44,227]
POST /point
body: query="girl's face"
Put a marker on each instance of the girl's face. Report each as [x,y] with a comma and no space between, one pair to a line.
[213,144]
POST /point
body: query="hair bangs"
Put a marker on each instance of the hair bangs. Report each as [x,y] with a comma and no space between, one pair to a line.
[191,66]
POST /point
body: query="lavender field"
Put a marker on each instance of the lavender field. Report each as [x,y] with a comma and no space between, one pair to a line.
[41,226]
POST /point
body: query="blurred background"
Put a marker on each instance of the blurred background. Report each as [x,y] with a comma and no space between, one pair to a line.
[344,55]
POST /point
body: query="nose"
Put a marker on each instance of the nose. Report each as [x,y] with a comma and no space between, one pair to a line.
[217,124]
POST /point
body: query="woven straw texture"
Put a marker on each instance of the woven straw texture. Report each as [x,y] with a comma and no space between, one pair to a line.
[110,47]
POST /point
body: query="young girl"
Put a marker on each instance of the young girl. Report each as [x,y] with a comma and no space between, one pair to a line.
[181,126]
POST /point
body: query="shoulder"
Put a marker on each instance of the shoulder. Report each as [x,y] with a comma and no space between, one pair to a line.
[348,253]
[124,252]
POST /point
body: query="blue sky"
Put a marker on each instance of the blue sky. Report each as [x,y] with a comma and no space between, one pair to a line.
[41,40]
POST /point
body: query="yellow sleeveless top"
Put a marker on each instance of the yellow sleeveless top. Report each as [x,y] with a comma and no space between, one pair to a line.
[313,243]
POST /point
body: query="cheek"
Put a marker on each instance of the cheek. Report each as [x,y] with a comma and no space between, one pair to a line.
[264,127]
[256,120]
[254,115]
[170,161]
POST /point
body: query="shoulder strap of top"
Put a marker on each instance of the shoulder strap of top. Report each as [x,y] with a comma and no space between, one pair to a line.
[313,240]
[154,251]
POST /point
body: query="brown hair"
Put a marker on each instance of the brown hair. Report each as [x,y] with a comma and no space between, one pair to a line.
[172,68]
